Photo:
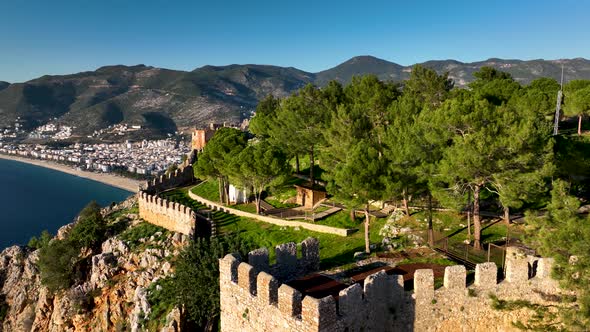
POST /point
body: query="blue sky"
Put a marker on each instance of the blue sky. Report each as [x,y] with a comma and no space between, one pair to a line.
[40,37]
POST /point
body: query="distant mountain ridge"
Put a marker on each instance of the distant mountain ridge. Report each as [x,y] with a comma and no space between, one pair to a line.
[165,100]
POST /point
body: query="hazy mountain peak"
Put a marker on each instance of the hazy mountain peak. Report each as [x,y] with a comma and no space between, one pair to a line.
[360,65]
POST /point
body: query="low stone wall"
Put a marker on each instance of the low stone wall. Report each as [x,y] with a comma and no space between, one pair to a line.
[272,220]
[252,300]
[170,215]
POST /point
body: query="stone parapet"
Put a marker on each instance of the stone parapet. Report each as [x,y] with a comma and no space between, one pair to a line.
[288,265]
[170,215]
[254,300]
[182,176]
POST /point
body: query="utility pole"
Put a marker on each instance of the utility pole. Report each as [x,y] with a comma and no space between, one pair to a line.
[558,106]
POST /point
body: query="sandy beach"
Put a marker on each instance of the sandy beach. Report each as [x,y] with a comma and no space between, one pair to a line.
[108,179]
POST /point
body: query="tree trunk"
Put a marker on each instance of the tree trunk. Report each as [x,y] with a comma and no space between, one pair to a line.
[220,188]
[476,219]
[352,215]
[297,164]
[311,164]
[367,238]
[226,188]
[258,205]
[469,225]
[507,215]
[405,202]
[469,208]
[579,124]
[211,324]
[430,228]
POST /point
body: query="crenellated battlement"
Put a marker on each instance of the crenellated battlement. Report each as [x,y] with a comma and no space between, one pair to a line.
[170,215]
[182,176]
[254,299]
[288,265]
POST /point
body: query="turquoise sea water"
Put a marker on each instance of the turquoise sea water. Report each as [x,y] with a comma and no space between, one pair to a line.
[33,199]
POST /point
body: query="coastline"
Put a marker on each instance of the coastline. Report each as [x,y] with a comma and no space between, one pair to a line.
[105,178]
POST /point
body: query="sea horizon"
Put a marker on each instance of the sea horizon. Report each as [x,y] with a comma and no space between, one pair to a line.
[35,198]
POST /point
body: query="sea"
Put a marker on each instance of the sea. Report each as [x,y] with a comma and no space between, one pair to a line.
[33,199]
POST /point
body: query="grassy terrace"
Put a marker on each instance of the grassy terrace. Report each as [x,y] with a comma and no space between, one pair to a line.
[208,190]
[334,250]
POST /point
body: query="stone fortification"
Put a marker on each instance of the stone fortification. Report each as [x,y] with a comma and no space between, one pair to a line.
[182,176]
[255,300]
[170,215]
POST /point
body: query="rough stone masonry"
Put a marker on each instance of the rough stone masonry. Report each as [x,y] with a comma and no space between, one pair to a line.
[253,298]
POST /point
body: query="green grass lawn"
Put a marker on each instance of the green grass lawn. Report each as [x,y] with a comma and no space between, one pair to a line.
[340,219]
[276,196]
[249,207]
[334,250]
[278,204]
[208,189]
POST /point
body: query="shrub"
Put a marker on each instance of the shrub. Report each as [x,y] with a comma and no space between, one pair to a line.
[42,241]
[90,229]
[198,264]
[57,263]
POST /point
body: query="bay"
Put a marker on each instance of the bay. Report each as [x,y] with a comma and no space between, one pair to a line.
[33,199]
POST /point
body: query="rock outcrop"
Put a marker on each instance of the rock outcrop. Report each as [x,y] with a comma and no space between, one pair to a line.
[112,297]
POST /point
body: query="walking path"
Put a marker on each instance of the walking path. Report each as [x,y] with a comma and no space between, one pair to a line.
[271,219]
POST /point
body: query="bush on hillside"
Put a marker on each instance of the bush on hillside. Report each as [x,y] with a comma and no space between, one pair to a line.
[198,264]
[41,241]
[59,260]
[57,264]
[90,230]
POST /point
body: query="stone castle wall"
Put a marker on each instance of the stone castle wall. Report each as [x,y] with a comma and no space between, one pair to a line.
[170,215]
[182,176]
[255,300]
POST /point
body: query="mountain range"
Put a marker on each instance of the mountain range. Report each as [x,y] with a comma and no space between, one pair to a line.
[163,100]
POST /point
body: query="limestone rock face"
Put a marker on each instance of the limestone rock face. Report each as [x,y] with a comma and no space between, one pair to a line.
[141,309]
[104,266]
[115,246]
[63,231]
[111,294]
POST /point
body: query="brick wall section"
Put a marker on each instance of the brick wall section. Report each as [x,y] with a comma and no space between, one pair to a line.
[272,220]
[170,215]
[252,300]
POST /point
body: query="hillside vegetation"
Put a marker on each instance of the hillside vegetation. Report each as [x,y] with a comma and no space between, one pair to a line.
[163,100]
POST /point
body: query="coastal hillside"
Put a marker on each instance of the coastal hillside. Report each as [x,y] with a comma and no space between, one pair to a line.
[164,101]
[110,290]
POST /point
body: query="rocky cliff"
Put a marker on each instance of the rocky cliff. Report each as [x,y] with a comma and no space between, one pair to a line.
[113,293]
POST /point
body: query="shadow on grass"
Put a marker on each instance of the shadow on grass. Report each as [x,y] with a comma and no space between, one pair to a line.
[340,259]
